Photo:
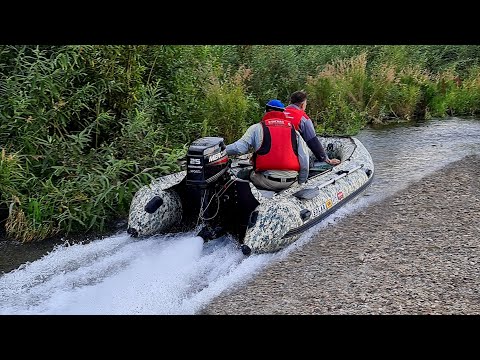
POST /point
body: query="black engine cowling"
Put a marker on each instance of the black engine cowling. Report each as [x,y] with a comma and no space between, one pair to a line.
[207,161]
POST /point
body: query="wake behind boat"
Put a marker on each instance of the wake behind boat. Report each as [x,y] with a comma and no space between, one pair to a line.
[213,193]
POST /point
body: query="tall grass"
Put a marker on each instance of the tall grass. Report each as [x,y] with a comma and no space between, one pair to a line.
[336,95]
[228,109]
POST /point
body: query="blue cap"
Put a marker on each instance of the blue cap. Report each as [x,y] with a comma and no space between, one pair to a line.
[275,104]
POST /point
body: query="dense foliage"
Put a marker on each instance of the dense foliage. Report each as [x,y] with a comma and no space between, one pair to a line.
[83,127]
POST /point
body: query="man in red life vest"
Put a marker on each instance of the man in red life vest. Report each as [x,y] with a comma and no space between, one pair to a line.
[295,111]
[280,154]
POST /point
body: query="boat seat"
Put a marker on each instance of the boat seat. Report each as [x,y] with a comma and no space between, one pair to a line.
[307,194]
[319,167]
[267,193]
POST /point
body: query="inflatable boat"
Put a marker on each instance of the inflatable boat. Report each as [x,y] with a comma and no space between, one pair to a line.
[212,196]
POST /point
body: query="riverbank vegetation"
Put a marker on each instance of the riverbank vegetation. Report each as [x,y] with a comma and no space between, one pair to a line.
[83,127]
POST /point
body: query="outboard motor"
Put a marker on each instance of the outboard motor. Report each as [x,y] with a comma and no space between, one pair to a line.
[207,165]
[207,161]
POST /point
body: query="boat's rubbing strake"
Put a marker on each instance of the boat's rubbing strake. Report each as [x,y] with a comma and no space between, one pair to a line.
[278,226]
[316,220]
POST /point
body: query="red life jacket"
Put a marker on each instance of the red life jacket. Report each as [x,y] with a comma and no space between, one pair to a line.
[279,146]
[295,115]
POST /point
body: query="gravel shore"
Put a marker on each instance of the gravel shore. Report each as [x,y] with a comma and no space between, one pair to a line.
[416,252]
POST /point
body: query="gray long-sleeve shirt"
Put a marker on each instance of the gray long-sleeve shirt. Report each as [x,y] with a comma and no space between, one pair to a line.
[307,130]
[252,140]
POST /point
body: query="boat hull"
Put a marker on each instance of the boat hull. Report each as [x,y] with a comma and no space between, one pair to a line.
[279,221]
[279,225]
[156,207]
[269,221]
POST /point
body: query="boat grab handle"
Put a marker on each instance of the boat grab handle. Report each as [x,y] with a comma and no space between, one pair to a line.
[342,174]
[310,193]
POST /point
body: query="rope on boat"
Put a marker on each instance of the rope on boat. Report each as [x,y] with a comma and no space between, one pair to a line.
[217,195]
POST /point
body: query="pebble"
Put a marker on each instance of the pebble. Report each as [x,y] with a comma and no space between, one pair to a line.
[403,275]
